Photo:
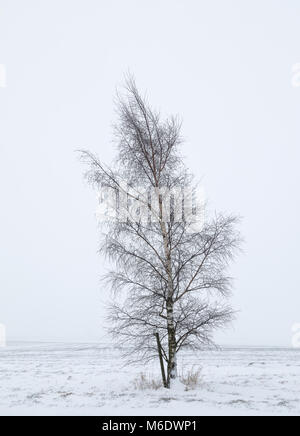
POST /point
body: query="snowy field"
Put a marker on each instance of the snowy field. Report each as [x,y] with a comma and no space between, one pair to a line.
[84,379]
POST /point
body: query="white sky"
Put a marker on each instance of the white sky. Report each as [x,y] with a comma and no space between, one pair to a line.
[226,67]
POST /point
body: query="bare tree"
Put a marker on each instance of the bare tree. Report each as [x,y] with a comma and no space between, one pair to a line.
[170,279]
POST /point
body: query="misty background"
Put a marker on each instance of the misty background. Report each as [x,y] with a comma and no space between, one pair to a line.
[226,68]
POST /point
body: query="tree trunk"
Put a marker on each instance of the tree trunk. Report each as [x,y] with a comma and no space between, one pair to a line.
[163,374]
[172,363]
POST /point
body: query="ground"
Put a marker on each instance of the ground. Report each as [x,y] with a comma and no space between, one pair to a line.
[89,379]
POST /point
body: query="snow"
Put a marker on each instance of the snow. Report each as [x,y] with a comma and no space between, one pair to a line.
[91,379]
[177,386]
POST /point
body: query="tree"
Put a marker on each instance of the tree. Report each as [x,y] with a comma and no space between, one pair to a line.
[169,279]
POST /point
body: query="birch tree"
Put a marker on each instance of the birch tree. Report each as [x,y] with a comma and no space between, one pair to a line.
[170,278]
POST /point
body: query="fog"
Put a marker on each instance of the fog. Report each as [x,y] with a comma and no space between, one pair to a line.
[226,67]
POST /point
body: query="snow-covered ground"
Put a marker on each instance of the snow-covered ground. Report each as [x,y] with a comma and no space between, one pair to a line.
[84,379]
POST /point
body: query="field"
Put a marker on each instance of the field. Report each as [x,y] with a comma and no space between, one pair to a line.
[84,379]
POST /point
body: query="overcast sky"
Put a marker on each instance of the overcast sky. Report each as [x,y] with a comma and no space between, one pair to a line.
[226,68]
